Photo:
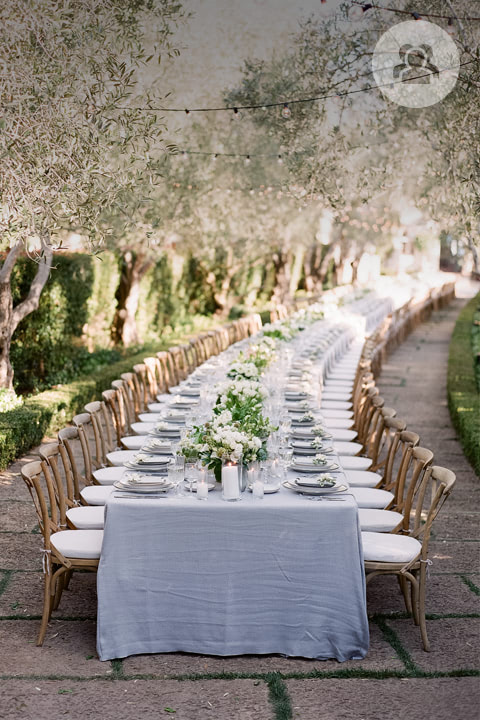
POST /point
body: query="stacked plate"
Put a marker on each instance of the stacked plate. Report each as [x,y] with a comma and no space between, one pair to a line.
[308,447]
[164,430]
[136,483]
[308,432]
[153,464]
[157,446]
[308,465]
[322,485]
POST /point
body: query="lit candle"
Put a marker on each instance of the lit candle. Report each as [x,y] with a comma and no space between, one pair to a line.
[230,486]
[202,485]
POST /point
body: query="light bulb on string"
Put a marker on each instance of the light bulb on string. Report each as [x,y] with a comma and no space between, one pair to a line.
[286,112]
[451,28]
[280,160]
[247,160]
[416,16]
[355,13]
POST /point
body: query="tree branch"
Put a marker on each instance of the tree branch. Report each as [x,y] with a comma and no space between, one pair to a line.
[10,260]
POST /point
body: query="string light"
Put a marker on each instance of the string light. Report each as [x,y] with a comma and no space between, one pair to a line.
[286,109]
[413,13]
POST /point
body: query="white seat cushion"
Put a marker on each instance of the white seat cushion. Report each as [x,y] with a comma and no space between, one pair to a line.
[336,405]
[341,375]
[141,428]
[81,544]
[378,520]
[362,478]
[134,442]
[163,397]
[87,518]
[371,497]
[150,417]
[381,547]
[336,394]
[344,423]
[120,457]
[157,407]
[338,386]
[354,462]
[327,414]
[341,434]
[96,494]
[347,448]
[108,475]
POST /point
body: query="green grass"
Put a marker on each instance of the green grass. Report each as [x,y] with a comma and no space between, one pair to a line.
[462,389]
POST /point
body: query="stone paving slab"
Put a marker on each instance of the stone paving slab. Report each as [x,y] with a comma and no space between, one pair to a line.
[24,595]
[136,700]
[445,594]
[454,643]
[390,699]
[18,516]
[21,552]
[458,525]
[69,649]
[448,556]
[380,656]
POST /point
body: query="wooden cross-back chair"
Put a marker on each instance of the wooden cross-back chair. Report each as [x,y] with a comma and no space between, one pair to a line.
[91,445]
[126,405]
[167,368]
[117,414]
[179,361]
[406,555]
[73,514]
[63,550]
[135,393]
[104,430]
[140,371]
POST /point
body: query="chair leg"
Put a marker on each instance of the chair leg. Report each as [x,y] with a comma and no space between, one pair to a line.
[403,582]
[421,609]
[57,588]
[47,608]
[68,577]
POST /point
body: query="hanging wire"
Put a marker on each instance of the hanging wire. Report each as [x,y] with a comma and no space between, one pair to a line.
[285,104]
[416,14]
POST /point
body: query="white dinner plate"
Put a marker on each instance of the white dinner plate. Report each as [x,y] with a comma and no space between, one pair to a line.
[298,466]
[314,491]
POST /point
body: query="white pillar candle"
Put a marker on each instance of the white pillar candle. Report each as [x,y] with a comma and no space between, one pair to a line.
[202,486]
[230,486]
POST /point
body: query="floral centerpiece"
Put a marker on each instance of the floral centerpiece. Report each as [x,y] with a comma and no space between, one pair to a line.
[223,439]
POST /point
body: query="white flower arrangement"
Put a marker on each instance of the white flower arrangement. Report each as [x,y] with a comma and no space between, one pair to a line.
[318,429]
[320,459]
[247,370]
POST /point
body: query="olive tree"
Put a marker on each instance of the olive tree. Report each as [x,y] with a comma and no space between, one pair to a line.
[73,138]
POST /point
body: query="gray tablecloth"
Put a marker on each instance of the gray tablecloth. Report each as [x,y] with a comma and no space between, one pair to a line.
[280,575]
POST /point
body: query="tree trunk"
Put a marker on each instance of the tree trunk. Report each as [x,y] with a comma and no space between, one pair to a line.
[281,290]
[124,327]
[11,316]
[6,309]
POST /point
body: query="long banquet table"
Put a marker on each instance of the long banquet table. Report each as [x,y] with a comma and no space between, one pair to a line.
[279,575]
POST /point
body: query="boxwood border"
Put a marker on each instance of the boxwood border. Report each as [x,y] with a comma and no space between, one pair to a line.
[462,391]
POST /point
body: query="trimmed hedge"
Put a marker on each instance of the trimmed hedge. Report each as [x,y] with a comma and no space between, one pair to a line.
[44,414]
[463,394]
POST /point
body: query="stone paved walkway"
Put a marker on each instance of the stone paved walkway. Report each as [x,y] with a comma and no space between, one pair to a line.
[396,680]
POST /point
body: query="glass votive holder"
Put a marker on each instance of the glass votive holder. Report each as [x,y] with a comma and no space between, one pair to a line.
[202,484]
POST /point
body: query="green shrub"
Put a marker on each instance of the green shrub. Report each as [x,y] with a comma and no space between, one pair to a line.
[44,414]
[463,393]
